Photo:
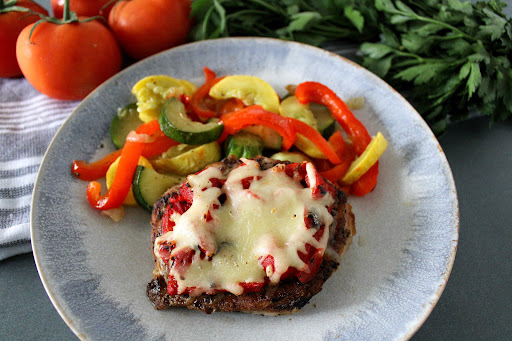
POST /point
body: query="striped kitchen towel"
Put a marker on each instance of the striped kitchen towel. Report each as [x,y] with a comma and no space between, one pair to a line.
[28,122]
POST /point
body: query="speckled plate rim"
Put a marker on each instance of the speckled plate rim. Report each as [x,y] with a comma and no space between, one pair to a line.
[427,306]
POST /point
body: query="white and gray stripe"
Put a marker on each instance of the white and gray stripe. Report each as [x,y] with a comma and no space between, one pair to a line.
[28,122]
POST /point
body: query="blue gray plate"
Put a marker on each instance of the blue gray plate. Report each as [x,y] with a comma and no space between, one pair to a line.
[95,271]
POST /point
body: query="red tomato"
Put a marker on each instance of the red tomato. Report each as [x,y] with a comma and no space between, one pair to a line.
[82,8]
[145,27]
[11,24]
[68,61]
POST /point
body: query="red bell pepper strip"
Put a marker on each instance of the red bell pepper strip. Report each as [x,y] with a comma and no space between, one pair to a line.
[256,115]
[316,92]
[93,171]
[96,170]
[128,162]
[366,183]
[115,195]
[316,138]
[336,172]
[338,144]
[161,143]
[231,105]
[209,74]
[199,100]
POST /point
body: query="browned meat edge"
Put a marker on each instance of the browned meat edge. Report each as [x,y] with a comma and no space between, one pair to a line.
[288,296]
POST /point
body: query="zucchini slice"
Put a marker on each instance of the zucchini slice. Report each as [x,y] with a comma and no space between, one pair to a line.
[148,186]
[243,144]
[191,159]
[175,123]
[271,138]
[291,107]
[111,173]
[126,120]
[326,123]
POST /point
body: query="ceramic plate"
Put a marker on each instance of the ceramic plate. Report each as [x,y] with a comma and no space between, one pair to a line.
[95,271]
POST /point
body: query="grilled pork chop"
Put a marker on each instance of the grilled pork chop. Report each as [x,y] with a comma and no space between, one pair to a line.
[294,288]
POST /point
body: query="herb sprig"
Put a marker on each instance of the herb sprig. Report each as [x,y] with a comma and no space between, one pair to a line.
[448,57]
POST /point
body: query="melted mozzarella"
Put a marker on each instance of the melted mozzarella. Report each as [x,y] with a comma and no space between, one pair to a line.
[265,219]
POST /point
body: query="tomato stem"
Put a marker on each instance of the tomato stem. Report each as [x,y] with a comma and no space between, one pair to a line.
[67,12]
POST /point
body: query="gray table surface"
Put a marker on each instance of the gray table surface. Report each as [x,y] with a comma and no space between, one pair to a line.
[476,303]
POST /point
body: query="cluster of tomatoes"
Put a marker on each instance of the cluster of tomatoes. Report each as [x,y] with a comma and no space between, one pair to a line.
[69,55]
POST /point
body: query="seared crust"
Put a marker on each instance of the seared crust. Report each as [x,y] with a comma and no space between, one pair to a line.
[289,296]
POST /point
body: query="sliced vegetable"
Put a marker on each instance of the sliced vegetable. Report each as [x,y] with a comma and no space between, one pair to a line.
[367,182]
[201,102]
[122,181]
[151,92]
[314,136]
[291,107]
[308,147]
[251,90]
[316,92]
[366,160]
[271,138]
[191,161]
[93,171]
[243,144]
[111,172]
[231,105]
[126,120]
[129,158]
[175,123]
[256,115]
[294,157]
[326,123]
[148,185]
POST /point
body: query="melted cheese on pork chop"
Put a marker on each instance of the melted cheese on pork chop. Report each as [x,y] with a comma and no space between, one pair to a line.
[265,219]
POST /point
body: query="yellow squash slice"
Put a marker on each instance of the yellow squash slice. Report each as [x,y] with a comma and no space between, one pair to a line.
[365,161]
[249,89]
[152,91]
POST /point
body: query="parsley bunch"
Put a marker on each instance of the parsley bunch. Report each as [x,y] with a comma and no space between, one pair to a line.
[446,56]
